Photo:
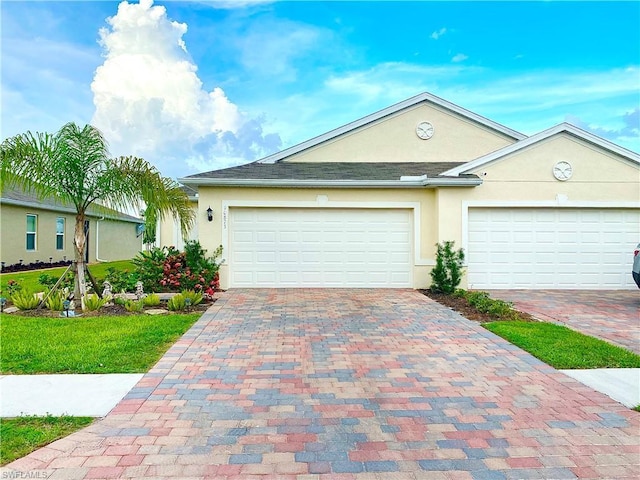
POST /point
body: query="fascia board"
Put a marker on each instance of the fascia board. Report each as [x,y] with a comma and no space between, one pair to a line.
[243,182]
[276,157]
[538,137]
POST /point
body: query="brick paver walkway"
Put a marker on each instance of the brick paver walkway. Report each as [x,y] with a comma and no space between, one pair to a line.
[612,315]
[356,384]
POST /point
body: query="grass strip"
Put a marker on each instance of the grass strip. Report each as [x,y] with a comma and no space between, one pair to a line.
[107,344]
[563,348]
[23,435]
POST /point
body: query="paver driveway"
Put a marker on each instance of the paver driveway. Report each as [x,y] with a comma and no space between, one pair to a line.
[612,315]
[356,384]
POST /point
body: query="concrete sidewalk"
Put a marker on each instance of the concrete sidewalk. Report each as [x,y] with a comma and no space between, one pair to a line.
[621,384]
[97,395]
[75,395]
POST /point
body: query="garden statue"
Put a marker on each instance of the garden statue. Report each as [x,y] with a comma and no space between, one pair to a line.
[106,292]
[139,290]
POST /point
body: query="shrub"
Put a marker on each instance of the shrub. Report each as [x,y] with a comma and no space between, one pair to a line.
[134,306]
[121,280]
[447,273]
[170,270]
[25,300]
[13,287]
[177,303]
[483,303]
[119,301]
[93,302]
[194,297]
[149,266]
[55,302]
[151,300]
[49,281]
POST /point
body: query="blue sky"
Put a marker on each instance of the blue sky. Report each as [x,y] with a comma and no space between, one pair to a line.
[194,86]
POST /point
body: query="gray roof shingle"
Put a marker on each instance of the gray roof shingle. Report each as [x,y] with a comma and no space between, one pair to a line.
[329,171]
[17,196]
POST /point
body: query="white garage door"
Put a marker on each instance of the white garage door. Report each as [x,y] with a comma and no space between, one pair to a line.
[297,247]
[552,248]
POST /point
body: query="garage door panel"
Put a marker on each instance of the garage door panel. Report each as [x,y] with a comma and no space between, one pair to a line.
[239,237]
[320,247]
[551,248]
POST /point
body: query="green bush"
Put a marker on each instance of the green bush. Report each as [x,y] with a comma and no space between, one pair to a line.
[55,302]
[119,301]
[447,273]
[49,281]
[497,308]
[151,300]
[169,270]
[150,266]
[134,306]
[13,287]
[194,297]
[120,280]
[25,300]
[93,302]
[177,303]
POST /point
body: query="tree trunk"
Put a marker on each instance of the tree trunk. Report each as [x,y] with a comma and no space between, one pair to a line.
[79,243]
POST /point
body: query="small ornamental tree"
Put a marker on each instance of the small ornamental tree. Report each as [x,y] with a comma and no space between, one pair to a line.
[448,271]
[74,166]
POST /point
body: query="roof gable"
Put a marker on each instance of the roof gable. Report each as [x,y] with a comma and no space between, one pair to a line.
[560,129]
[423,98]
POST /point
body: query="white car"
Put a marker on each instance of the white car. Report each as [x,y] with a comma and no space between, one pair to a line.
[636,265]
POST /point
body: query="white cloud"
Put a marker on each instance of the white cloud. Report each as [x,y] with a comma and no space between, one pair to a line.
[460,57]
[603,101]
[44,81]
[270,48]
[438,33]
[150,101]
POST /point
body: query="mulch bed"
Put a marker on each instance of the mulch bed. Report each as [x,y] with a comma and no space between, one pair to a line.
[112,311]
[463,307]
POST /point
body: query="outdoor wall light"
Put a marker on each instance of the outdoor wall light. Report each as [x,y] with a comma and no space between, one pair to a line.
[209,214]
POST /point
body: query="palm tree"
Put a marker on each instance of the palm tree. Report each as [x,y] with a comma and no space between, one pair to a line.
[73,166]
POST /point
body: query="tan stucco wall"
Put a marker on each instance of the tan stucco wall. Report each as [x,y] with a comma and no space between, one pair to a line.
[211,234]
[170,234]
[117,239]
[600,180]
[394,139]
[13,221]
[525,178]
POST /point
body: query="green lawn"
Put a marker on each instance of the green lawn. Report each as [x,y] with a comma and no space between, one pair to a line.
[563,348]
[23,435]
[109,344]
[29,279]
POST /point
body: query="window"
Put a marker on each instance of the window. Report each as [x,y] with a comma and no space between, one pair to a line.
[59,233]
[32,227]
